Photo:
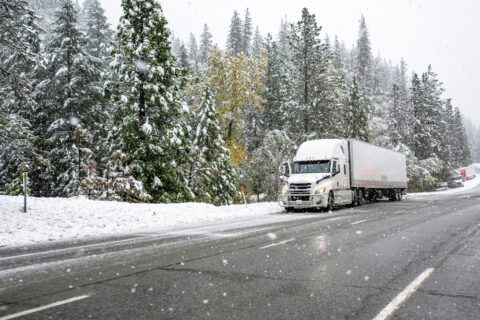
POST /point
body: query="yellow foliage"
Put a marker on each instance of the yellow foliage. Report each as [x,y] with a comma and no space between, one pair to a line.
[237,152]
[237,82]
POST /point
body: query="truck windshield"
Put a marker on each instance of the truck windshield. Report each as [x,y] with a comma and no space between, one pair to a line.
[319,166]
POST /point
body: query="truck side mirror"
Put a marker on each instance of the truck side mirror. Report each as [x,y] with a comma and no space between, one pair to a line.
[285,169]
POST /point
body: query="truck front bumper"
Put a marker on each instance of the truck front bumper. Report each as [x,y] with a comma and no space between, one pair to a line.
[310,201]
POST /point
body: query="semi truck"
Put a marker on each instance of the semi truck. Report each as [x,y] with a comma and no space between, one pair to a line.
[333,172]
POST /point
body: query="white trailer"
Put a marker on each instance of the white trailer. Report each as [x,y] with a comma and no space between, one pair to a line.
[330,172]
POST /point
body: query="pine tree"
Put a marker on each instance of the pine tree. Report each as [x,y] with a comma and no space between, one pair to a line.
[247,32]
[277,88]
[98,33]
[67,91]
[193,51]
[357,116]
[19,48]
[462,155]
[307,59]
[211,176]
[150,117]
[364,65]
[206,45]
[235,40]
[257,44]
[183,61]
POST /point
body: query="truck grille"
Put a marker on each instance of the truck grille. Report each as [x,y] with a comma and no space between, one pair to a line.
[299,191]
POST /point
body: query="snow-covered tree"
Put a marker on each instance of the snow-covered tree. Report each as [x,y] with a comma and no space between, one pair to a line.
[235,40]
[247,32]
[206,44]
[257,44]
[211,175]
[68,91]
[307,67]
[261,173]
[19,48]
[357,118]
[150,117]
[364,65]
[193,51]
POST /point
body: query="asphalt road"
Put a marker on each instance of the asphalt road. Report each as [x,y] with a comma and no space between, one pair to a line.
[415,259]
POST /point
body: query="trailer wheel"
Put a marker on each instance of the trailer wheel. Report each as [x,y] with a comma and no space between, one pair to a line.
[331,202]
[399,194]
[361,199]
[393,195]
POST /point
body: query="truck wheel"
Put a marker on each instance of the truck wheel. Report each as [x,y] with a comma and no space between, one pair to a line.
[393,195]
[289,209]
[361,199]
[356,201]
[331,202]
[399,195]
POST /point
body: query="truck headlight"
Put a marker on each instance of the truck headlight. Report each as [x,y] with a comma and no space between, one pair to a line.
[319,190]
[285,188]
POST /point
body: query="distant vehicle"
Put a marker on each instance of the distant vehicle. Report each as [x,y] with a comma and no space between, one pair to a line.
[456,183]
[441,186]
[330,172]
[467,173]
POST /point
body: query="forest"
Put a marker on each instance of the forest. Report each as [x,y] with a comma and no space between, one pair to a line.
[138,114]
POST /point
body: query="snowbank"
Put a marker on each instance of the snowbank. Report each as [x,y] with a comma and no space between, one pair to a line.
[468,185]
[59,218]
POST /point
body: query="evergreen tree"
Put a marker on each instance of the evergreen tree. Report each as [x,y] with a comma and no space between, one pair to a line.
[247,32]
[211,176]
[284,36]
[98,33]
[357,116]
[307,56]
[193,51]
[277,88]
[150,118]
[68,91]
[364,65]
[183,59]
[257,42]
[235,40]
[19,47]
[461,152]
[206,45]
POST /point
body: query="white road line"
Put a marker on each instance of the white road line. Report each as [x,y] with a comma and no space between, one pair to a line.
[48,306]
[403,296]
[274,244]
[400,211]
[357,222]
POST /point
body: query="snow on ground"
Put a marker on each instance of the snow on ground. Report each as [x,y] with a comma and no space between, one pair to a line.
[468,185]
[51,219]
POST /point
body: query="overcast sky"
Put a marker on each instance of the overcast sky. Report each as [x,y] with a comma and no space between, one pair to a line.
[445,34]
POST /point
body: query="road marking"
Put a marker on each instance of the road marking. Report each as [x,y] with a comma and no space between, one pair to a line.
[357,222]
[274,244]
[400,211]
[403,296]
[48,306]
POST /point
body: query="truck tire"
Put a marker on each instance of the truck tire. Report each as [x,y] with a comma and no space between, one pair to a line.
[361,199]
[399,195]
[356,200]
[393,195]
[331,202]
[289,209]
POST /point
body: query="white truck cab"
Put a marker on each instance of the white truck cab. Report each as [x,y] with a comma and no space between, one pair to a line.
[330,172]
